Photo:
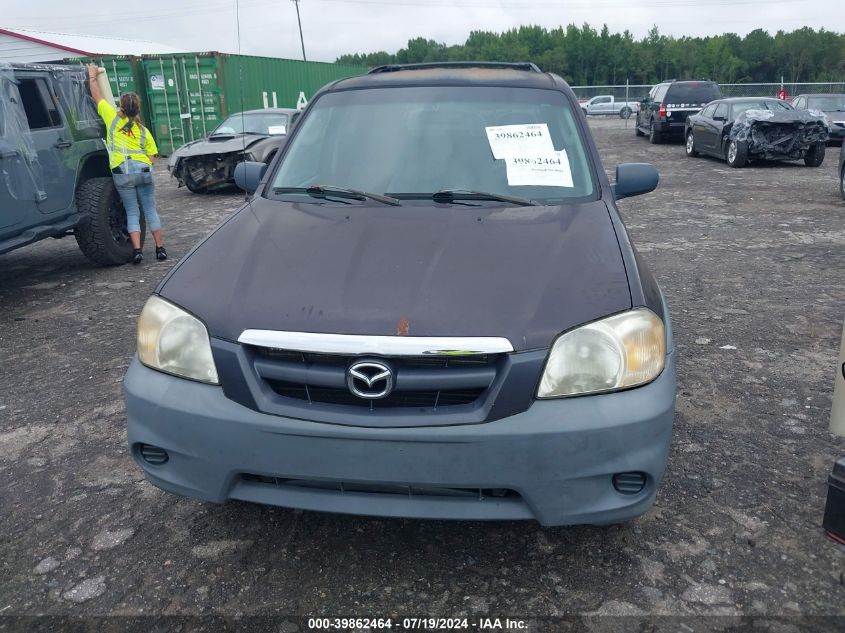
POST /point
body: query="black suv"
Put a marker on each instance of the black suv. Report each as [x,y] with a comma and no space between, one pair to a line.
[54,165]
[663,113]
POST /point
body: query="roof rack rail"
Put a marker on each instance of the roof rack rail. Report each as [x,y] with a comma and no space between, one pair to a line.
[390,68]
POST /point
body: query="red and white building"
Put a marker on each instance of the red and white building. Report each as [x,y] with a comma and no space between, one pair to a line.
[27,46]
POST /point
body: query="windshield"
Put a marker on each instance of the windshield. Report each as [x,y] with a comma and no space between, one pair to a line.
[420,140]
[265,123]
[830,103]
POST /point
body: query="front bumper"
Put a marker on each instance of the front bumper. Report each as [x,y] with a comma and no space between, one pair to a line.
[837,131]
[558,457]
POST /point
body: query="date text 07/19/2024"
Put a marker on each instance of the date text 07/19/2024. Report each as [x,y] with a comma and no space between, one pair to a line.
[417,624]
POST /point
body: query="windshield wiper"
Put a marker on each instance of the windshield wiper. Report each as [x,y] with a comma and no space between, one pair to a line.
[322,191]
[450,195]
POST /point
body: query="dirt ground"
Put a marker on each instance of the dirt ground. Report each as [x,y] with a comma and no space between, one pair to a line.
[752,262]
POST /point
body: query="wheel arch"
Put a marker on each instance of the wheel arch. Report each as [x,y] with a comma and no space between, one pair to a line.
[93,166]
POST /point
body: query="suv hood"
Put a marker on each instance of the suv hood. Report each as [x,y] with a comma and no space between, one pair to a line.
[224,145]
[524,273]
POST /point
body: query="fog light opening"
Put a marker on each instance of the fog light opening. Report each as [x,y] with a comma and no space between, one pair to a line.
[153,455]
[629,483]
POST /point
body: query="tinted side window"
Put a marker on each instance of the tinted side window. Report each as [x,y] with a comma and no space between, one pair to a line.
[660,93]
[709,110]
[693,93]
[602,100]
[721,111]
[39,105]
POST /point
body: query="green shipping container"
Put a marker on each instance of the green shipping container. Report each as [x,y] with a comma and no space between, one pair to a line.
[124,72]
[189,95]
[185,96]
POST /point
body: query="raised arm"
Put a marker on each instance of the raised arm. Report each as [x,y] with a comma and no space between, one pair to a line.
[96,93]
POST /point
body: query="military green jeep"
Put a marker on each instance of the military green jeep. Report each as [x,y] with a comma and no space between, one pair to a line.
[54,166]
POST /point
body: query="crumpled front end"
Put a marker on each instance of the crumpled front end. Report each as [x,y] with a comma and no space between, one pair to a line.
[205,171]
[780,135]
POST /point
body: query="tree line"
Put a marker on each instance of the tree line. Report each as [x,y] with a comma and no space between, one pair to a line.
[585,56]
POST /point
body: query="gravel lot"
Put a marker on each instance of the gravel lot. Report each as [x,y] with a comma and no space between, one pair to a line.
[751,262]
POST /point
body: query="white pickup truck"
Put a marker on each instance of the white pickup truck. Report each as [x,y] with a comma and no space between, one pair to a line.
[608,104]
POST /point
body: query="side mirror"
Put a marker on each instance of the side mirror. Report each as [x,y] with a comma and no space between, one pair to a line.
[720,118]
[248,174]
[633,179]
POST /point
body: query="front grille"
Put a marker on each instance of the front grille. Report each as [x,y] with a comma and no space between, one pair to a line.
[422,399]
[476,360]
[420,382]
[381,488]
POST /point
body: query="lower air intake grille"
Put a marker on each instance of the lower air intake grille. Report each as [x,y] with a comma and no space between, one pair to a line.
[395,489]
[629,483]
[153,454]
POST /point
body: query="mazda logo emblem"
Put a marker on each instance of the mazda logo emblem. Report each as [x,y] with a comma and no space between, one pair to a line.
[369,379]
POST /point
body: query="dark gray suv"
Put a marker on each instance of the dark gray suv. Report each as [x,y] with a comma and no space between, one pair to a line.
[429,308]
[55,166]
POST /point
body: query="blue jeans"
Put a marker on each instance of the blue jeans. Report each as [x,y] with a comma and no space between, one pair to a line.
[131,195]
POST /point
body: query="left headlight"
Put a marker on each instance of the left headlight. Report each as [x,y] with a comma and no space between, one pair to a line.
[175,342]
[621,351]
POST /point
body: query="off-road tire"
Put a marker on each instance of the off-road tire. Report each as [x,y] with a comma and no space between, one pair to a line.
[625,113]
[654,137]
[815,155]
[690,145]
[737,153]
[101,233]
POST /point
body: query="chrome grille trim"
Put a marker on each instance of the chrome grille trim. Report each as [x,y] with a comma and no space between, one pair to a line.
[356,344]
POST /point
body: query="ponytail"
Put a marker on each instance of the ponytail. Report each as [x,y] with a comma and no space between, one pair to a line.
[130,107]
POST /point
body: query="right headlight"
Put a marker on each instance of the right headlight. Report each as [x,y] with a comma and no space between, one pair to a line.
[175,342]
[621,351]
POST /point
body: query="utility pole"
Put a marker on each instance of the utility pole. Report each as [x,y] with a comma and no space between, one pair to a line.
[301,39]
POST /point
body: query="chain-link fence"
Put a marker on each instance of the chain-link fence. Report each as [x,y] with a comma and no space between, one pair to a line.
[635,92]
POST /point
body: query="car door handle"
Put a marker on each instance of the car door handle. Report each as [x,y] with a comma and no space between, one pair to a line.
[63,144]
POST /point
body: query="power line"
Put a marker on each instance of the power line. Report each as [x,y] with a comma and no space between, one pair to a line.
[139,16]
[591,4]
[215,7]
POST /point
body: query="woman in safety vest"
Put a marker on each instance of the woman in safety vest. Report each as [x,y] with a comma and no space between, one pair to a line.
[131,149]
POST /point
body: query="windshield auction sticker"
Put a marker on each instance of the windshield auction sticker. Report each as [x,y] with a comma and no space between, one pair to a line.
[519,140]
[540,169]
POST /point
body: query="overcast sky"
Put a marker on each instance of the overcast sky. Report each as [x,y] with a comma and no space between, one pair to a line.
[334,27]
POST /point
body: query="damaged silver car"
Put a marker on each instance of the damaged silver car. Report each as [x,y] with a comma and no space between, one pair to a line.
[253,135]
[833,107]
[740,130]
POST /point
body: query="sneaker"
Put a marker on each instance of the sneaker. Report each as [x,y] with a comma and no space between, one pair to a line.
[161,254]
[137,256]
